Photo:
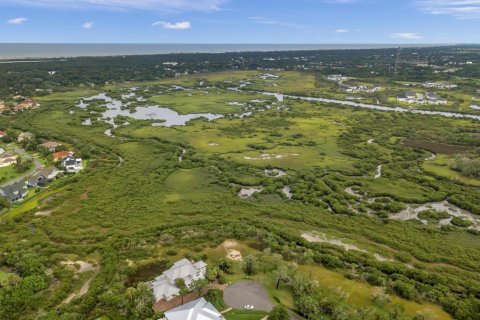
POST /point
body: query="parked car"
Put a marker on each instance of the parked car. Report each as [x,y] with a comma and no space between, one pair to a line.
[248,307]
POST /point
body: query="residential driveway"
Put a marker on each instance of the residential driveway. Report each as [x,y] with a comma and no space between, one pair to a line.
[246,292]
[36,162]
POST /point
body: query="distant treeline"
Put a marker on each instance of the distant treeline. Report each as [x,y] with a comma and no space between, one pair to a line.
[37,78]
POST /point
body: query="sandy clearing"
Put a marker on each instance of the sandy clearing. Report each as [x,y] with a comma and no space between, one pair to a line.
[378,174]
[247,192]
[80,266]
[321,238]
[234,255]
[46,213]
[268,156]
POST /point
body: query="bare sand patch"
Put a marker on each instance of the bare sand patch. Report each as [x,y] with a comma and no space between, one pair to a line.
[234,255]
[322,238]
[247,192]
[287,192]
[46,213]
[268,156]
[80,266]
[229,244]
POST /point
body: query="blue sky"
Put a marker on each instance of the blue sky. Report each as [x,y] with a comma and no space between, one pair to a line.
[240,21]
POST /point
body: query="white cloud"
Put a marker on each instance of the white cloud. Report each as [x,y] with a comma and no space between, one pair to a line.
[461,9]
[341,30]
[182,25]
[88,25]
[17,20]
[157,5]
[263,20]
[406,35]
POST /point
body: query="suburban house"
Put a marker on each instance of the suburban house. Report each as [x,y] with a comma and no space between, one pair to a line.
[50,145]
[26,104]
[164,286]
[199,309]
[15,191]
[358,88]
[418,98]
[433,98]
[2,133]
[7,159]
[336,78]
[439,85]
[25,136]
[60,155]
[43,177]
[72,164]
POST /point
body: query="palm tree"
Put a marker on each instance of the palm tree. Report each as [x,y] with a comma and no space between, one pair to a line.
[180,283]
[199,285]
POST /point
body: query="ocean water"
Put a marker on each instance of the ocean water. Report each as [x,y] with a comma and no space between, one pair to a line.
[56,50]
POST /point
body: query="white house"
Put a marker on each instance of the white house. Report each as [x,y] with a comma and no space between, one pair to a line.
[7,159]
[199,309]
[336,78]
[72,164]
[164,286]
[418,98]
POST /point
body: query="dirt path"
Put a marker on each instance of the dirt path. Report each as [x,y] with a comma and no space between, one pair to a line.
[378,174]
[180,158]
[84,267]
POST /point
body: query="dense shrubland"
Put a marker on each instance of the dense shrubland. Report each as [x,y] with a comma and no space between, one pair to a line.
[153,209]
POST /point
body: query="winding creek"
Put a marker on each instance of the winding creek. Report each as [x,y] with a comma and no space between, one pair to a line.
[281,97]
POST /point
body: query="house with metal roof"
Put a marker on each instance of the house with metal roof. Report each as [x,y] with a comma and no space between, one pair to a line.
[199,309]
[15,191]
[164,286]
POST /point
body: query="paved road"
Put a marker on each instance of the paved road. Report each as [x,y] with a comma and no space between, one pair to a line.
[246,292]
[36,162]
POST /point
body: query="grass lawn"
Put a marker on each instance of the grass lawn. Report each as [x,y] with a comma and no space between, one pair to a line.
[245,315]
[8,173]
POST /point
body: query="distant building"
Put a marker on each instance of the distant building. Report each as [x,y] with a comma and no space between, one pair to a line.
[418,98]
[25,136]
[60,155]
[50,145]
[7,159]
[26,104]
[14,192]
[336,78]
[358,88]
[72,164]
[433,98]
[43,177]
[164,286]
[439,85]
[199,309]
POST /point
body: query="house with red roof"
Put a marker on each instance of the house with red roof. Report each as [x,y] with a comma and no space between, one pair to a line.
[60,155]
